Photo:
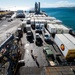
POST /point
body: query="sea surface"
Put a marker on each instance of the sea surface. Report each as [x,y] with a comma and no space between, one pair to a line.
[66,15]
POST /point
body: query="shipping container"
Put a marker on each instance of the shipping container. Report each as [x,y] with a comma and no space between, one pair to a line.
[51,28]
[42,21]
[57,21]
[58,28]
[65,29]
[50,18]
[48,22]
[32,21]
[53,22]
[70,37]
[36,21]
[66,46]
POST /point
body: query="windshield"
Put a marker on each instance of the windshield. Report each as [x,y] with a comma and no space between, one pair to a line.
[37,27]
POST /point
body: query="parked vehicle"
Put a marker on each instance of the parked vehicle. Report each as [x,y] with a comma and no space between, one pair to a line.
[49,54]
[38,39]
[39,27]
[52,63]
[28,30]
[24,25]
[45,48]
[28,21]
[20,33]
[46,37]
[10,19]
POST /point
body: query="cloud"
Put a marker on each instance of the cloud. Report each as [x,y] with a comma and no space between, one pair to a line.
[59,4]
[19,8]
[16,8]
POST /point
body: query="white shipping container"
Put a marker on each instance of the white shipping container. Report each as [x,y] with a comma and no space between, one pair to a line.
[58,28]
[32,21]
[48,21]
[51,28]
[50,18]
[24,23]
[42,21]
[70,37]
[53,22]
[65,29]
[66,46]
[36,21]
[58,21]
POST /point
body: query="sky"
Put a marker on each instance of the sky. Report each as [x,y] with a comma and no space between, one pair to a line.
[27,4]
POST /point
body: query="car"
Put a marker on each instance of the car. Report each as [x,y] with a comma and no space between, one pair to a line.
[46,37]
[21,63]
[46,48]
[37,36]
[10,19]
[38,39]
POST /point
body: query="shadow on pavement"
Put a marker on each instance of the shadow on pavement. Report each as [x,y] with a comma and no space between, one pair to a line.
[49,42]
[35,60]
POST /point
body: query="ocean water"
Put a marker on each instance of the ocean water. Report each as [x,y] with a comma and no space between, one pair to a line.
[66,15]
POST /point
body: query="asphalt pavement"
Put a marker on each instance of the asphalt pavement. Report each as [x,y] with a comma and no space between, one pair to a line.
[8,27]
[37,52]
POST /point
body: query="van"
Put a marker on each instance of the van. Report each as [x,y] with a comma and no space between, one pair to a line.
[38,39]
[28,30]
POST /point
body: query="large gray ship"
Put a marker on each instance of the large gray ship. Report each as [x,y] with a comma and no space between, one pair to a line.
[33,43]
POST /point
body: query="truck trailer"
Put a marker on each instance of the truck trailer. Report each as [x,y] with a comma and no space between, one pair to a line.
[70,37]
[65,29]
[59,29]
[51,28]
[65,45]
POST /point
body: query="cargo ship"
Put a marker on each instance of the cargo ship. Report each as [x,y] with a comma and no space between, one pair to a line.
[36,44]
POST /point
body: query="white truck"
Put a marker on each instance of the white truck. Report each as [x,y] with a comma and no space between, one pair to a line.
[28,30]
[24,25]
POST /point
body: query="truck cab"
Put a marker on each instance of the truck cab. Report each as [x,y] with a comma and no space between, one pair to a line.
[39,27]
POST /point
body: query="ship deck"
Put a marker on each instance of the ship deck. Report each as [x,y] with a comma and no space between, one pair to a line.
[41,65]
[37,64]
